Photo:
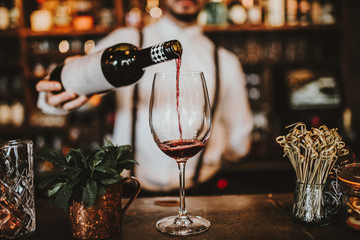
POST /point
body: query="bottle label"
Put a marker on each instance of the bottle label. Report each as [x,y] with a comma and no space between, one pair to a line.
[157,53]
[84,75]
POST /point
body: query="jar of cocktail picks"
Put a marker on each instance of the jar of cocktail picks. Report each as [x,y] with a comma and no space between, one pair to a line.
[349,179]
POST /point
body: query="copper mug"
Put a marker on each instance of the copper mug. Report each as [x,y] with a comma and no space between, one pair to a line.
[104,218]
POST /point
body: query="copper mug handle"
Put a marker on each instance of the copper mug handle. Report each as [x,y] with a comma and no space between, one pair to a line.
[132,198]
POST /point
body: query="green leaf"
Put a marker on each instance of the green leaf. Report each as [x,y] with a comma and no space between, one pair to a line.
[98,158]
[76,158]
[127,163]
[62,198]
[70,170]
[108,142]
[108,181]
[54,189]
[106,158]
[122,150]
[95,162]
[106,170]
[89,193]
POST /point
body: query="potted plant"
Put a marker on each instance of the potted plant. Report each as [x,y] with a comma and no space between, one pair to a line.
[88,185]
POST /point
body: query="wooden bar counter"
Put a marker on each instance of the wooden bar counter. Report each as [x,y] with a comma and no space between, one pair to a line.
[243,217]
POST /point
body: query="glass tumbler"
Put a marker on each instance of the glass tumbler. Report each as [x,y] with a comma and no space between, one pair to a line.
[315,204]
[17,202]
[349,177]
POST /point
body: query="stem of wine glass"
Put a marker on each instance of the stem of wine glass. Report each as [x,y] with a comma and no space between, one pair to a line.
[182,209]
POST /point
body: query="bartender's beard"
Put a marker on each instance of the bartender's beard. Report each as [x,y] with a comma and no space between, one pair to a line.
[185,17]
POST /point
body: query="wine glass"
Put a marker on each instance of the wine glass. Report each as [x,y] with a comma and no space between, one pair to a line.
[180,123]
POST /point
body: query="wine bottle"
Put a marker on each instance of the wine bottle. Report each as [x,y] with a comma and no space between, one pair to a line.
[117,66]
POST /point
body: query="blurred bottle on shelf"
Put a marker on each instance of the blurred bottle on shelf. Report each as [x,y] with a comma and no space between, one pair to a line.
[316,12]
[40,141]
[214,13]
[291,12]
[9,15]
[5,113]
[328,15]
[304,16]
[255,13]
[12,110]
[134,16]
[14,17]
[39,46]
[84,16]
[63,46]
[274,13]
[17,113]
[57,142]
[89,45]
[254,49]
[39,70]
[4,16]
[105,17]
[237,13]
[42,18]
[254,86]
[44,46]
[5,110]
[62,16]
[76,45]
[17,105]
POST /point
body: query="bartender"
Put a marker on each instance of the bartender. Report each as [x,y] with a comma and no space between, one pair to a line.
[225,79]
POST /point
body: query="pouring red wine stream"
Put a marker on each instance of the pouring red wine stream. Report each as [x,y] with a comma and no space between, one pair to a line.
[181,149]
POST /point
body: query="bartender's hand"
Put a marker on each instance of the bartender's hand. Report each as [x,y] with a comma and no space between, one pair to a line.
[66,100]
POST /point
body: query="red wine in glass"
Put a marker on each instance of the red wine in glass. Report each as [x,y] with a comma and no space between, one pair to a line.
[182,149]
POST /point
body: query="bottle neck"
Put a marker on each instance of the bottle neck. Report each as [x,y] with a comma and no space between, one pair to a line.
[161,52]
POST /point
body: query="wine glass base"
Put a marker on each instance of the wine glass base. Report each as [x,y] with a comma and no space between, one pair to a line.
[182,226]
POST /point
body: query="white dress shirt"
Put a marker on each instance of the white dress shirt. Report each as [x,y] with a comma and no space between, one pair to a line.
[232,123]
